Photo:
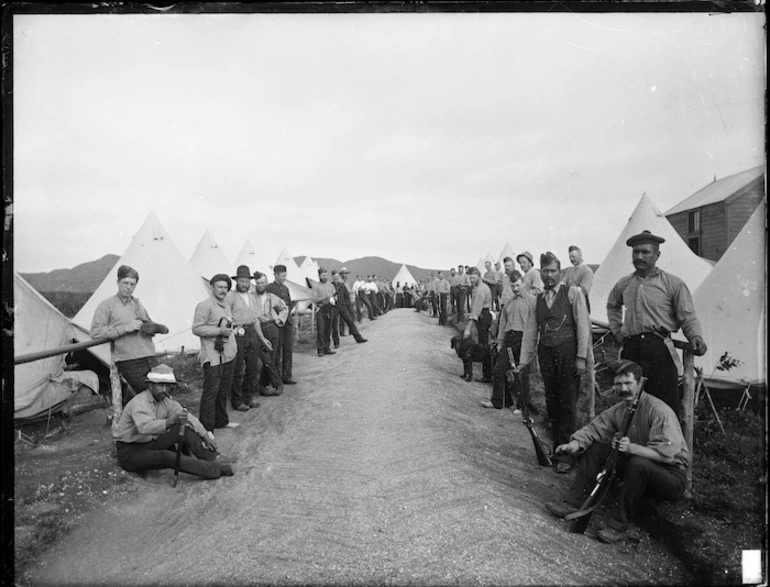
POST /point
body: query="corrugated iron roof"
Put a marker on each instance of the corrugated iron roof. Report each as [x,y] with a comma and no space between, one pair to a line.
[718,191]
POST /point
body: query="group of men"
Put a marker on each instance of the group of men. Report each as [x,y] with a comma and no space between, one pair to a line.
[334,303]
[545,313]
[375,294]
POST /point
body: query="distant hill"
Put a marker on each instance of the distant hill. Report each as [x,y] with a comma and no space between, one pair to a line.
[370,265]
[84,278]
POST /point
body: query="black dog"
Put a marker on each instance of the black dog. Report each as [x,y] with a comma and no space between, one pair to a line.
[469,352]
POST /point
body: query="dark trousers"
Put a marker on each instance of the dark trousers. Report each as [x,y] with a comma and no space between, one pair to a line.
[641,477]
[442,300]
[408,300]
[134,371]
[557,366]
[335,326]
[460,304]
[284,358]
[363,298]
[502,390]
[399,300]
[359,306]
[270,374]
[323,328]
[433,297]
[483,324]
[346,317]
[374,303]
[217,381]
[652,355]
[161,454]
[245,367]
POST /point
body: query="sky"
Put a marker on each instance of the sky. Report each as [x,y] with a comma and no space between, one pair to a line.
[428,139]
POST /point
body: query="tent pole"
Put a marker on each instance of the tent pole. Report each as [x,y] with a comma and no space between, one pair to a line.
[590,366]
[688,399]
[117,399]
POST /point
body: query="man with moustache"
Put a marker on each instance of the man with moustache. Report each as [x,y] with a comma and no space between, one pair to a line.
[579,274]
[480,318]
[213,322]
[272,313]
[284,354]
[560,331]
[657,304]
[324,301]
[506,293]
[653,456]
[490,278]
[532,279]
[442,290]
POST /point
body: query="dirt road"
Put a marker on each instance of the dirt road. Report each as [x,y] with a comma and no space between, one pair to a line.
[379,467]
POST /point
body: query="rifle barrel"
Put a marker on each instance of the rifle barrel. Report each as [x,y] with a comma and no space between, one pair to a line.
[62,350]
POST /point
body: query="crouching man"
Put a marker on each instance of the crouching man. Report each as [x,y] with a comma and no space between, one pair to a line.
[148,430]
[653,457]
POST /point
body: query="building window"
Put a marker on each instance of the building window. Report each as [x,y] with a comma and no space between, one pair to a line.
[694,244]
[693,221]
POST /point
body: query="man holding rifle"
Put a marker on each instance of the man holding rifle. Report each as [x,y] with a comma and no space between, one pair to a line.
[653,455]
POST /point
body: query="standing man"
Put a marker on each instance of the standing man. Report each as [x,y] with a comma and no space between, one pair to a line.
[507,293]
[357,285]
[432,297]
[272,313]
[561,333]
[365,298]
[657,304]
[248,338]
[652,461]
[463,287]
[148,429]
[345,306]
[579,274]
[490,278]
[532,280]
[324,301]
[336,331]
[442,289]
[123,319]
[453,290]
[213,323]
[514,316]
[501,278]
[285,351]
[480,318]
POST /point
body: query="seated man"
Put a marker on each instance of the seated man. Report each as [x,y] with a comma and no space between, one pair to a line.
[148,430]
[653,457]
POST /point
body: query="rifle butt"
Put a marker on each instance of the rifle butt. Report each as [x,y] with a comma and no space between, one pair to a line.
[580,524]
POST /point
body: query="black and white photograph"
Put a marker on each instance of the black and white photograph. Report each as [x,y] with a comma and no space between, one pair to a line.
[556,214]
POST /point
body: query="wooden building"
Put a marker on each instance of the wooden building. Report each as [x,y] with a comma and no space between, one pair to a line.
[710,219]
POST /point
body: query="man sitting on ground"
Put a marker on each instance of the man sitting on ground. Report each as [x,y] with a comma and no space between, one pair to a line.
[148,429]
[654,455]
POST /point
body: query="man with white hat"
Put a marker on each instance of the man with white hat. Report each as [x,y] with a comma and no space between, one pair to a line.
[149,427]
[532,282]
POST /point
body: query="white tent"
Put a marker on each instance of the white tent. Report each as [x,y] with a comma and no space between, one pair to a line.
[293,272]
[308,269]
[675,257]
[208,258]
[730,304]
[480,266]
[254,259]
[169,288]
[38,326]
[506,252]
[489,258]
[404,277]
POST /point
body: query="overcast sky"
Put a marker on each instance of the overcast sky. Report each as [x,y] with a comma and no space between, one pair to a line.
[424,138]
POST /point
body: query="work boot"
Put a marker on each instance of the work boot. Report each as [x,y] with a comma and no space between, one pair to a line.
[560,509]
[611,536]
[253,403]
[241,407]
[226,470]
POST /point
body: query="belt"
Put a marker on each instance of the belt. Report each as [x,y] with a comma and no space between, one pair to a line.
[266,323]
[644,335]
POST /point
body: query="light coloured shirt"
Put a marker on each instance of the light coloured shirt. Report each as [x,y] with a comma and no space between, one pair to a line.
[579,314]
[660,300]
[144,419]
[654,425]
[443,286]
[111,319]
[322,292]
[490,277]
[481,298]
[532,282]
[359,283]
[579,275]
[507,291]
[271,308]
[242,307]
[454,280]
[206,324]
[515,314]
[463,280]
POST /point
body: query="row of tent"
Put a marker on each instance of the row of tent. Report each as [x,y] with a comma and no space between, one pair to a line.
[729,298]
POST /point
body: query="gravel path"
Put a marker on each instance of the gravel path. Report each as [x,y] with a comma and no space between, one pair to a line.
[380,467]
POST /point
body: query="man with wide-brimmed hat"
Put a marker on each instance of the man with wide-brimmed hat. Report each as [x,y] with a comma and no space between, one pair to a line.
[149,426]
[123,319]
[656,305]
[532,282]
[213,323]
[560,332]
[248,337]
[272,313]
[285,352]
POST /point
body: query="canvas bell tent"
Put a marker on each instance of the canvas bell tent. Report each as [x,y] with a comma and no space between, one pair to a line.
[255,259]
[730,304]
[506,252]
[675,257]
[404,277]
[208,259]
[168,287]
[42,385]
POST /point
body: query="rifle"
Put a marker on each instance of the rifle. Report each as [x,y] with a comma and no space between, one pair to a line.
[542,457]
[179,443]
[581,517]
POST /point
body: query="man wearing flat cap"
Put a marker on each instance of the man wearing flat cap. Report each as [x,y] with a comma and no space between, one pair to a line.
[148,429]
[532,282]
[213,323]
[560,329]
[324,301]
[653,457]
[345,305]
[123,319]
[285,352]
[249,339]
[657,304]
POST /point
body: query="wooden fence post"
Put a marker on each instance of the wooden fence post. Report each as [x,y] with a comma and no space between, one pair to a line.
[688,401]
[117,400]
